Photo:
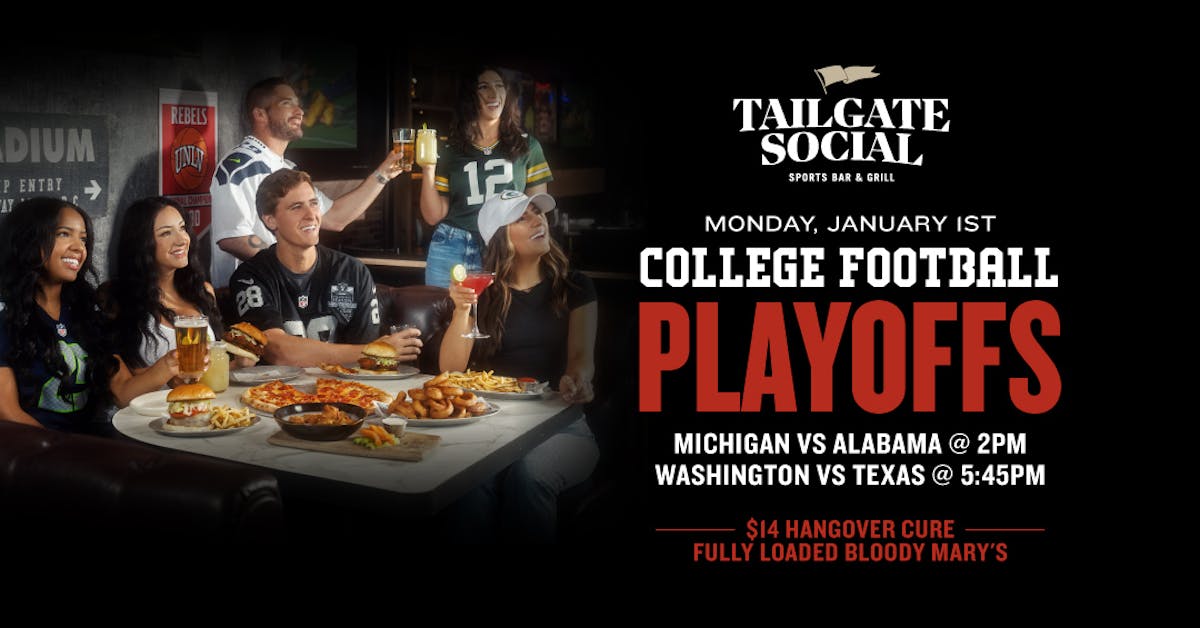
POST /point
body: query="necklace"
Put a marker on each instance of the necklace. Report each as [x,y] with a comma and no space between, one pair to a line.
[487,150]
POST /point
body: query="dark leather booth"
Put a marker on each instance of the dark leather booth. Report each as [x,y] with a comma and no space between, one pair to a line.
[85,486]
[427,307]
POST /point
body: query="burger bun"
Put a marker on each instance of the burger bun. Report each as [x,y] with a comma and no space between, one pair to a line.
[253,332]
[240,352]
[380,349]
[191,392]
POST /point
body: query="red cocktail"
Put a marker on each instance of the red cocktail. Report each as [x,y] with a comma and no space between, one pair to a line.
[477,281]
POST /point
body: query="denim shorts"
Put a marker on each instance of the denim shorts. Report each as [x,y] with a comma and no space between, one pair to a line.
[450,246]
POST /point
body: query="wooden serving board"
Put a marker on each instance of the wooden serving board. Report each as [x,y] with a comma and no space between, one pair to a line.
[412,446]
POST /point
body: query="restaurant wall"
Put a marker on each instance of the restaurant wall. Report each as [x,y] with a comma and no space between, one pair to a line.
[118,82]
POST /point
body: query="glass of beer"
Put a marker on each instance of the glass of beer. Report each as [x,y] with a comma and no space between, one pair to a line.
[191,341]
[402,142]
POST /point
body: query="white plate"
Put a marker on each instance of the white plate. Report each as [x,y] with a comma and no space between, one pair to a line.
[151,403]
[381,410]
[157,426]
[264,374]
[532,391]
[402,371]
[444,422]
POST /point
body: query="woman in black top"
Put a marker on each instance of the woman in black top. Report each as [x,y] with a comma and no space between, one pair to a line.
[542,320]
[540,315]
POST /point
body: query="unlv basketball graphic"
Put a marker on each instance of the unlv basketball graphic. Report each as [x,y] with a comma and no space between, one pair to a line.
[188,144]
[189,160]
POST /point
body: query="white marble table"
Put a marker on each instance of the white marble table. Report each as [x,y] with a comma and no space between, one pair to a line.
[467,454]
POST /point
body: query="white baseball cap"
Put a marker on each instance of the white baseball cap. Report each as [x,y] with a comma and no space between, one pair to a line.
[506,208]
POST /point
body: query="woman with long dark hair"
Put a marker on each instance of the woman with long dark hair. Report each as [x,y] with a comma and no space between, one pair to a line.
[57,367]
[487,153]
[541,318]
[159,277]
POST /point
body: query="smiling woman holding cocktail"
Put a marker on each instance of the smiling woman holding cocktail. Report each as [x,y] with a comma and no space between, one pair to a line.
[57,367]
[538,317]
[540,321]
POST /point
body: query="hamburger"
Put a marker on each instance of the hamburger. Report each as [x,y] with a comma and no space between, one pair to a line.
[379,356]
[189,406]
[245,340]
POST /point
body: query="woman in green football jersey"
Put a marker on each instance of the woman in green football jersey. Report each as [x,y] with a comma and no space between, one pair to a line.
[487,153]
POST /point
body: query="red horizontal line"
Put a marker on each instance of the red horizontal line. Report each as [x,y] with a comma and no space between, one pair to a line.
[1004,529]
[693,529]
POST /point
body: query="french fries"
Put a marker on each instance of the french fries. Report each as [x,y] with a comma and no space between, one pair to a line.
[224,417]
[483,380]
[440,398]
[374,437]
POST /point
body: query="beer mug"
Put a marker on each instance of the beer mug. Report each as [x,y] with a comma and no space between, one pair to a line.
[191,341]
[402,142]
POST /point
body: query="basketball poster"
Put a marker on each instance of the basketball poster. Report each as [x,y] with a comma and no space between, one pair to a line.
[188,157]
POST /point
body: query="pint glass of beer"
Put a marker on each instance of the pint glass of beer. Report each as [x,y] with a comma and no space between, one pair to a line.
[402,142]
[191,340]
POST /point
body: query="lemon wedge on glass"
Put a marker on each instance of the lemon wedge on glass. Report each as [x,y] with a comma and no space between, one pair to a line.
[458,273]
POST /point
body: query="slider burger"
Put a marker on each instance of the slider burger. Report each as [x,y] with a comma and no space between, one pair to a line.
[246,340]
[379,356]
[189,406]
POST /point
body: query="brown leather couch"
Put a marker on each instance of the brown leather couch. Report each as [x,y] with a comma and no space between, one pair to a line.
[88,487]
[427,307]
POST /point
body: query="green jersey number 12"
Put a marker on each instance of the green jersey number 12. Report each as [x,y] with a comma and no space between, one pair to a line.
[493,181]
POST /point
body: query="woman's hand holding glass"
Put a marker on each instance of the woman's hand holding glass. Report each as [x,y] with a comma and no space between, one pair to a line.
[463,298]
[169,364]
[168,367]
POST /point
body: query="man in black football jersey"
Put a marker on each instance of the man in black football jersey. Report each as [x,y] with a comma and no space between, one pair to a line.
[315,304]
